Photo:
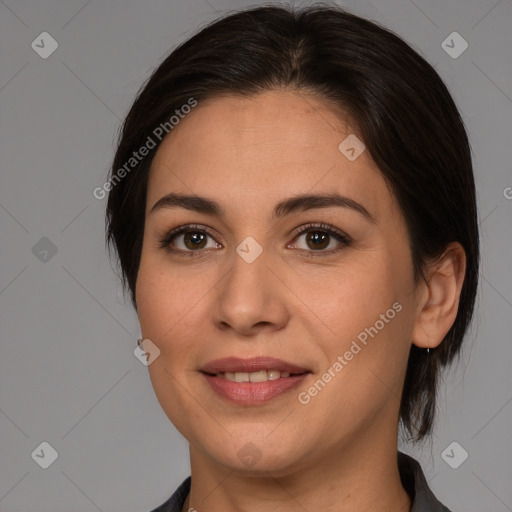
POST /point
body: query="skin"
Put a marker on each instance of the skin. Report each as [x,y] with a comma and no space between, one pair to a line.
[338,452]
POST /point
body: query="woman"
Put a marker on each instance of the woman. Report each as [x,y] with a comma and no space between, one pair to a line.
[293,208]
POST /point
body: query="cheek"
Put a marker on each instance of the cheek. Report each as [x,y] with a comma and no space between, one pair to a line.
[158,300]
[150,301]
[350,297]
[162,313]
[169,302]
[372,314]
[365,313]
[155,290]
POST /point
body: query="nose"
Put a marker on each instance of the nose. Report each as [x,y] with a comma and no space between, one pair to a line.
[251,298]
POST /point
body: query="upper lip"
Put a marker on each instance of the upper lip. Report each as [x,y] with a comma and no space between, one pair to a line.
[253,364]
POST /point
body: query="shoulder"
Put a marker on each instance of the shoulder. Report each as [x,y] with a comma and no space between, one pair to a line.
[176,501]
[415,483]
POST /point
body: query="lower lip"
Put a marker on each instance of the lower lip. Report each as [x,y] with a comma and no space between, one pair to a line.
[253,393]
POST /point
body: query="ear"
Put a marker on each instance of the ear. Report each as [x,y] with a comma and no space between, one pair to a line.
[439,297]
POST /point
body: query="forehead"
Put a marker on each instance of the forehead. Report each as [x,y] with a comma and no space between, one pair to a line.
[260,148]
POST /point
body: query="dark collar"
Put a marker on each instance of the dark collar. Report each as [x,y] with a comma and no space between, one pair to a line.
[411,474]
[414,482]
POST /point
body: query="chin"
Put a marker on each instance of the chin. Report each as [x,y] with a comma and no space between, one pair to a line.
[257,458]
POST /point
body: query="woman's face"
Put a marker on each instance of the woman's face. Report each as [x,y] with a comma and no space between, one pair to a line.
[244,284]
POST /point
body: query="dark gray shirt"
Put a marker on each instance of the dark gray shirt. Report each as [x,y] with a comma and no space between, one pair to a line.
[411,474]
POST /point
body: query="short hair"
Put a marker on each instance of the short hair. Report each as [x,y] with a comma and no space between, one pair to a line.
[403,111]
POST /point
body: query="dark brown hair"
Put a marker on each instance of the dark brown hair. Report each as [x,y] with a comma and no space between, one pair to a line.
[400,106]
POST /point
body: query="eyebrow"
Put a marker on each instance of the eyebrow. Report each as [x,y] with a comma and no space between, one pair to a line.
[296,203]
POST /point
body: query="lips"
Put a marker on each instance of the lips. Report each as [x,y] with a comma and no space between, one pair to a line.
[254,364]
[249,382]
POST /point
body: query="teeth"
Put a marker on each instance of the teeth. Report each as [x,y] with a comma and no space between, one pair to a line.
[241,377]
[260,376]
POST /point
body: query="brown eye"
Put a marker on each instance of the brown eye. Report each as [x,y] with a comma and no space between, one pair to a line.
[319,237]
[317,240]
[188,240]
[194,240]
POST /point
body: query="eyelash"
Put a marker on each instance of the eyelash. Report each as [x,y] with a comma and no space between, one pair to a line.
[329,229]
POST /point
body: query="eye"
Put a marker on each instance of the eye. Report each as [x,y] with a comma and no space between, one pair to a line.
[319,237]
[187,240]
[192,239]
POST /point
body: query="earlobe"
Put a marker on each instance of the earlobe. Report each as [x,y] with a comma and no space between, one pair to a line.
[440,300]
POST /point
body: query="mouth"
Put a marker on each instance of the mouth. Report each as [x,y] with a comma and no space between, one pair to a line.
[235,365]
[252,381]
[259,376]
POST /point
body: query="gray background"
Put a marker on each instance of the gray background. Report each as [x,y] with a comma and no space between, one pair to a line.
[68,375]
